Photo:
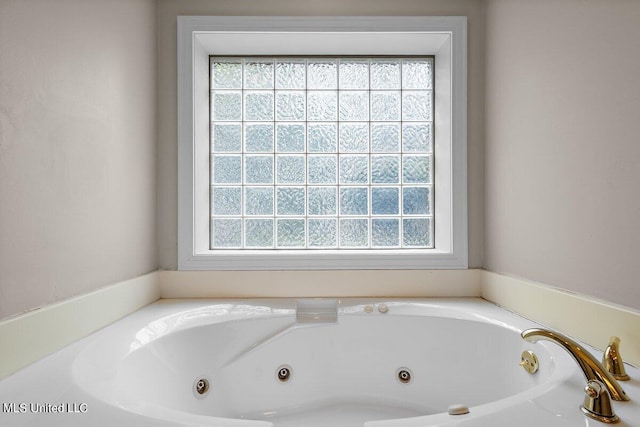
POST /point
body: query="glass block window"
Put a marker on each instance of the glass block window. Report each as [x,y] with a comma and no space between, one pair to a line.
[321,153]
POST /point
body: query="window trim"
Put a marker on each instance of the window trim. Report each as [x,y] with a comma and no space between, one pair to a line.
[444,37]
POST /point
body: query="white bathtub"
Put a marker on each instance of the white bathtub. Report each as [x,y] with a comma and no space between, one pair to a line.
[143,370]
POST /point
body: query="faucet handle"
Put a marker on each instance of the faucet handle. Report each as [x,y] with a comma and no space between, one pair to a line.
[612,360]
[597,403]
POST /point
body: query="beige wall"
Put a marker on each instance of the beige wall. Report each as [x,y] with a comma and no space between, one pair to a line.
[168,10]
[563,144]
[554,201]
[77,147]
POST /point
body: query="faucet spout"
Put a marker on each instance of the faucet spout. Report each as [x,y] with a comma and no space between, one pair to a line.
[591,368]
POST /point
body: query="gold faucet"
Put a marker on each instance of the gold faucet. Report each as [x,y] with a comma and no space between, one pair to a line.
[591,368]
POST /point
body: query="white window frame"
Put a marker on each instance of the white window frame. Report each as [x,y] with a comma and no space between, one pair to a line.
[443,37]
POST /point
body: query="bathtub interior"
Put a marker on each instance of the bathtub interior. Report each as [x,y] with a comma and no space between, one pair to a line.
[346,370]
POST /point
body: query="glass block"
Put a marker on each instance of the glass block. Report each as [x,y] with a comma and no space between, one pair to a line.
[322,233]
[290,233]
[354,169]
[258,169]
[290,169]
[323,169]
[226,233]
[290,74]
[258,200]
[354,138]
[227,106]
[385,169]
[226,200]
[258,138]
[416,201]
[385,232]
[227,169]
[416,169]
[385,74]
[354,233]
[385,137]
[354,74]
[416,106]
[385,106]
[290,201]
[417,73]
[354,201]
[290,138]
[290,105]
[354,105]
[258,74]
[322,74]
[258,106]
[226,74]
[322,106]
[322,201]
[227,137]
[323,138]
[417,137]
[416,232]
[385,201]
[258,233]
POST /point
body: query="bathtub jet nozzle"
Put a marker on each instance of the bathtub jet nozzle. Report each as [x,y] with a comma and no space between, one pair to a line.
[201,387]
[284,373]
